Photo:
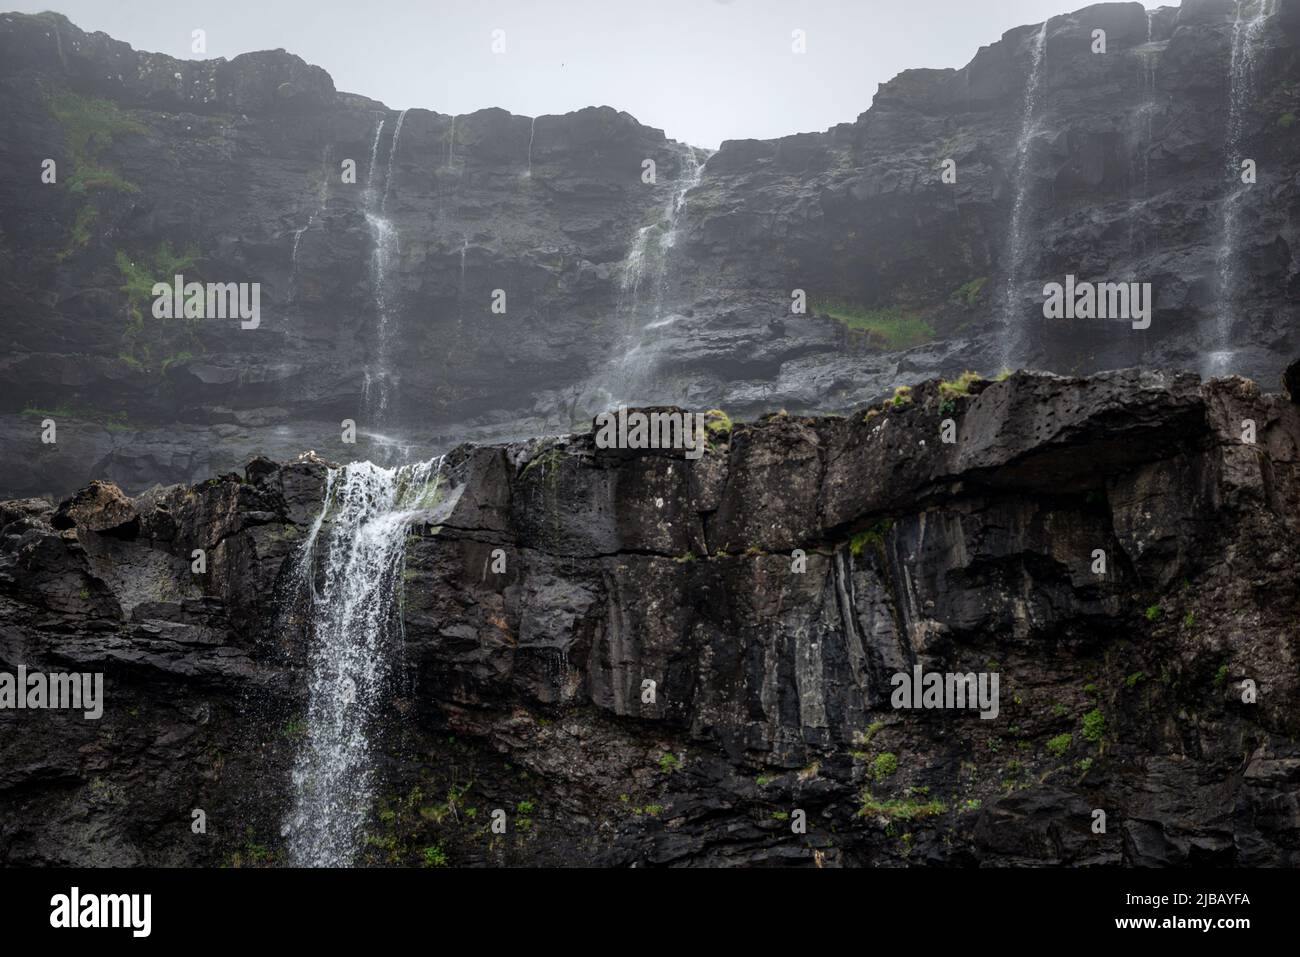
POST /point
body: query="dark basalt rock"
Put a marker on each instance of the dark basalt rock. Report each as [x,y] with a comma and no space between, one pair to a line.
[99,507]
[772,686]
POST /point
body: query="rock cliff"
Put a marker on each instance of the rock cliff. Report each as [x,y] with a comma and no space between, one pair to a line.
[770,589]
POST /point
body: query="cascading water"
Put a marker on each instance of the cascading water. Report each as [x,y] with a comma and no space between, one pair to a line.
[647,264]
[1016,234]
[694,172]
[348,577]
[451,143]
[375,223]
[532,131]
[1247,36]
[380,381]
[642,257]
[374,162]
[392,159]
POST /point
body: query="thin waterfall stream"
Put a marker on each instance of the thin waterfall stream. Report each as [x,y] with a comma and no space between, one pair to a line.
[647,264]
[1247,36]
[380,377]
[1018,240]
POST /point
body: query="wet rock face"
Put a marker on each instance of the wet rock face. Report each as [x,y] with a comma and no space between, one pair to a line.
[1118,550]
[243,161]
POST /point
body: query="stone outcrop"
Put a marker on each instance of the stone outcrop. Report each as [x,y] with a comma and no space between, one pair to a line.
[239,162]
[1121,686]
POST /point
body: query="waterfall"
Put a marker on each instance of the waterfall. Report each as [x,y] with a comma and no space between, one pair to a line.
[348,574]
[647,262]
[694,173]
[381,380]
[451,143]
[392,158]
[1150,57]
[374,161]
[1243,67]
[1016,238]
[642,257]
[633,268]
[532,131]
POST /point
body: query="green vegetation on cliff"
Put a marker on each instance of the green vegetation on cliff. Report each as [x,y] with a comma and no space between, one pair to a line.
[148,343]
[90,126]
[969,292]
[888,328]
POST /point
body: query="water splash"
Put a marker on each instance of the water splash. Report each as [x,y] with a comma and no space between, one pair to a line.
[1247,36]
[349,575]
[1017,239]
[1218,362]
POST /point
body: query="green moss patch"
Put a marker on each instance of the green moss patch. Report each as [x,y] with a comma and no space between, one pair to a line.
[890,328]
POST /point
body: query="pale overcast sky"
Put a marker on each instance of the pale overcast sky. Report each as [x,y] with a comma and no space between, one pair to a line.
[701,70]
